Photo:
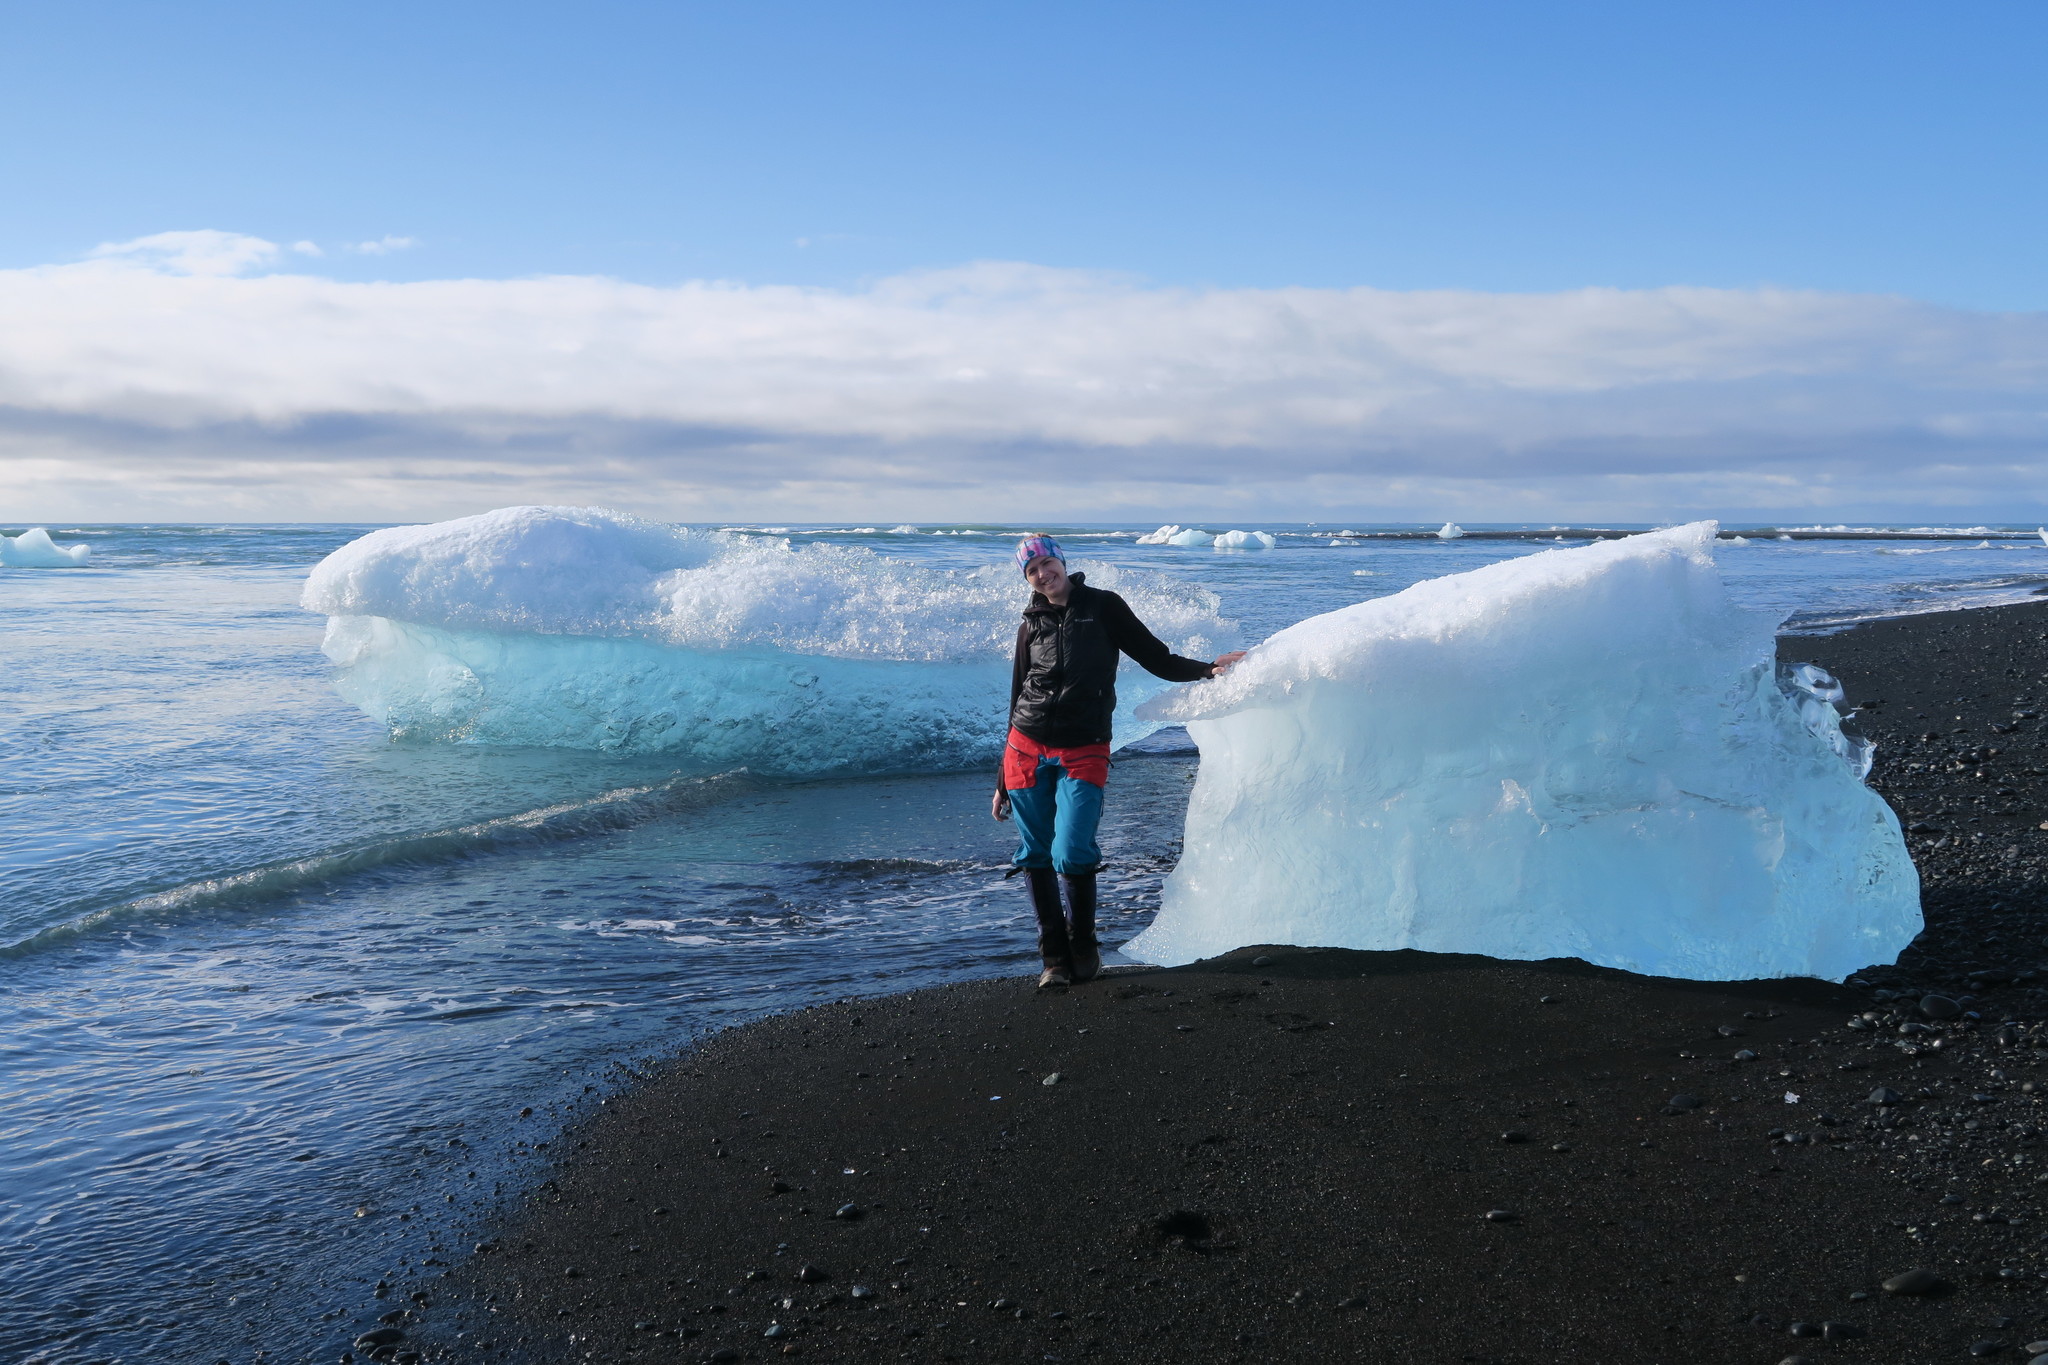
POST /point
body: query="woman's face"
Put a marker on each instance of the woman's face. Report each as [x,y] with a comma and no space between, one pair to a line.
[1047,575]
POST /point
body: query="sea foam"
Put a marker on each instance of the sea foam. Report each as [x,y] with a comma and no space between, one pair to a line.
[1584,752]
[585,628]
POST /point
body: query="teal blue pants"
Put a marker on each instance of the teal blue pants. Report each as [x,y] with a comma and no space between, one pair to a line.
[1056,818]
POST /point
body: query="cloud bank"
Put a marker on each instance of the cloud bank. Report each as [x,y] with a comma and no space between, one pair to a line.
[172,377]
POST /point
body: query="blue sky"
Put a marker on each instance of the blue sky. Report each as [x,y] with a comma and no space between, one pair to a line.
[973,261]
[1864,147]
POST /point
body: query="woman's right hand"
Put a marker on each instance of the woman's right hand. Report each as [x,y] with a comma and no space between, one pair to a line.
[999,805]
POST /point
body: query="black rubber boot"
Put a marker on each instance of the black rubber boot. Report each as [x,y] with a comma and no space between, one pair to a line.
[1054,952]
[1084,951]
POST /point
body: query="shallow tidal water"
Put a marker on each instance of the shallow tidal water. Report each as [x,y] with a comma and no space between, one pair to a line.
[274,990]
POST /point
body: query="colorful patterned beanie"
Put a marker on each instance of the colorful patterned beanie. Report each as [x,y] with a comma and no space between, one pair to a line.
[1038,547]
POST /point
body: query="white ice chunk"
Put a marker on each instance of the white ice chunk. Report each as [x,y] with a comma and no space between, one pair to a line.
[33,549]
[2042,531]
[1163,536]
[1450,531]
[1583,752]
[1191,537]
[583,628]
[1244,540]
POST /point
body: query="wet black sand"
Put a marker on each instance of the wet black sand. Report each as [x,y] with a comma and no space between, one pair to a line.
[1291,1155]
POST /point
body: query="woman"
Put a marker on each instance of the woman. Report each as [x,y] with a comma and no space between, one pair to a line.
[1062,691]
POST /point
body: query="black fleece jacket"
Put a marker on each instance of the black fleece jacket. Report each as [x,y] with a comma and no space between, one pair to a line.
[1063,679]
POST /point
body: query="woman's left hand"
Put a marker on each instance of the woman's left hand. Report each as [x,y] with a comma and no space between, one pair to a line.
[1223,664]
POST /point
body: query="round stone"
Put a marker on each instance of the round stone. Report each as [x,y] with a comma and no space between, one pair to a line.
[1919,1280]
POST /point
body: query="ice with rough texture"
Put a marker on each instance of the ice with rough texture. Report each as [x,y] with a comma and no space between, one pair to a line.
[583,628]
[33,549]
[1582,752]
[1450,530]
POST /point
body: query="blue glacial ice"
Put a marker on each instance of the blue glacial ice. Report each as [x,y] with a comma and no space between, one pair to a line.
[33,549]
[584,628]
[1580,753]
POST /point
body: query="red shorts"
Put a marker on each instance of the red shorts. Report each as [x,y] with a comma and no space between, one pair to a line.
[1084,762]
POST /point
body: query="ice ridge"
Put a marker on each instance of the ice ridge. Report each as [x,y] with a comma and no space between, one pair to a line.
[1583,753]
[585,628]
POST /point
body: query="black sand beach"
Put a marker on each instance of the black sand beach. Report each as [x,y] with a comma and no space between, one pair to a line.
[1291,1154]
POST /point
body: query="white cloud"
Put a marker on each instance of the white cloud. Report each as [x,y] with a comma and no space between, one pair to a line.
[201,252]
[384,246]
[308,248]
[992,390]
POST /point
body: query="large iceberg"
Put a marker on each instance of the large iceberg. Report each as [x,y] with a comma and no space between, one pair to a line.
[583,628]
[1582,752]
[33,549]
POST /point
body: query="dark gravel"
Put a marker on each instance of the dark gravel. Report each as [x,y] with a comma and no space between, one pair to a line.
[1958,705]
[1292,1154]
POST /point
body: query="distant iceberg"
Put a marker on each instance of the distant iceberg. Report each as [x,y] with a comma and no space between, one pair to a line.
[33,549]
[1450,531]
[1186,536]
[583,628]
[1584,752]
[1189,537]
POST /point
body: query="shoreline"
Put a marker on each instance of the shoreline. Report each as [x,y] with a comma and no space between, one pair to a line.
[1291,1153]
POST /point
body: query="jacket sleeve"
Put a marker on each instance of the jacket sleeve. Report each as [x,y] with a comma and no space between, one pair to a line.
[1148,649]
[1017,659]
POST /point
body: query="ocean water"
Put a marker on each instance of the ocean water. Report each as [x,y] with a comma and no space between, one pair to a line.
[276,988]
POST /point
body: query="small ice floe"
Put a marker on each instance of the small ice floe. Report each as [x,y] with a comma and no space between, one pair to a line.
[33,549]
[2042,531]
[1244,540]
[1451,531]
[1177,535]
